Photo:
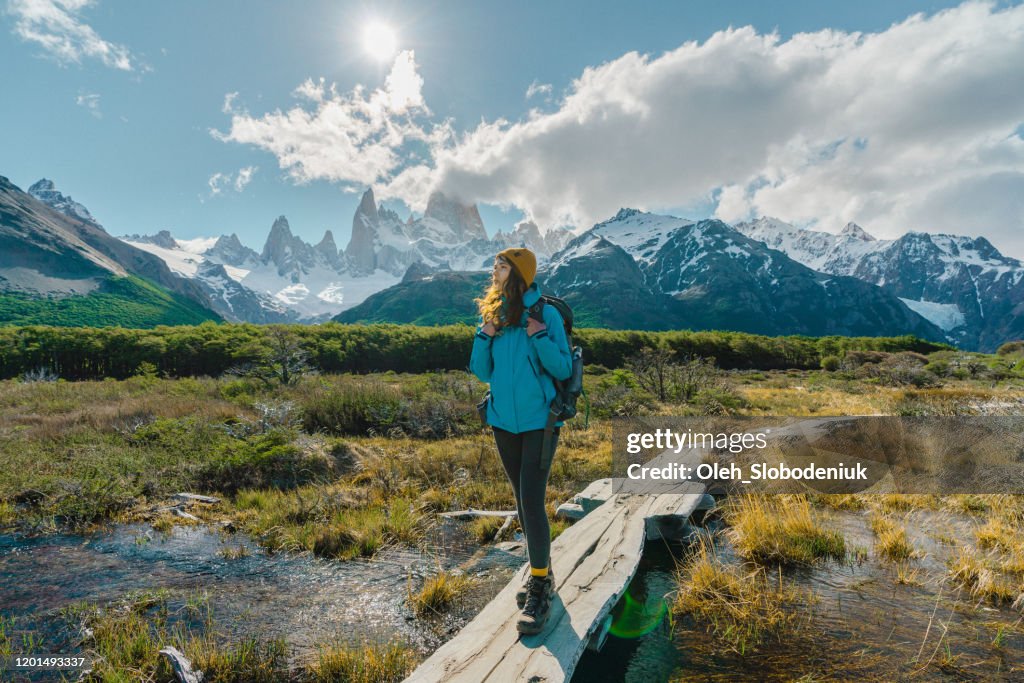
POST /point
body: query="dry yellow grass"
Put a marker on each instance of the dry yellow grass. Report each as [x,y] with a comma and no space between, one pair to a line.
[801,400]
[742,606]
[370,663]
[891,540]
[903,502]
[998,533]
[781,529]
[982,580]
[438,593]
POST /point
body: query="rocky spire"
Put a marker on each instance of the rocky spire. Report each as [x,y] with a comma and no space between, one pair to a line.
[288,252]
[464,219]
[360,250]
[328,251]
[230,250]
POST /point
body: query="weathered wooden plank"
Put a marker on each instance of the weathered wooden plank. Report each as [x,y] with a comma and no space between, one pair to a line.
[583,600]
[596,493]
[571,511]
[593,561]
[485,641]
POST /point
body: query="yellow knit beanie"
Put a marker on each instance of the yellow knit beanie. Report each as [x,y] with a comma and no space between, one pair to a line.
[523,260]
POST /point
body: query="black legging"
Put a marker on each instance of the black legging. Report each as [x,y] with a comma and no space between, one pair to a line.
[520,456]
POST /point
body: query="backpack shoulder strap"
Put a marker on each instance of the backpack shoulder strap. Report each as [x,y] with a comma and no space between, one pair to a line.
[536,311]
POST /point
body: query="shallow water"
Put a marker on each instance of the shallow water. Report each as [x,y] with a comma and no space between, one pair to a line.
[300,597]
[863,626]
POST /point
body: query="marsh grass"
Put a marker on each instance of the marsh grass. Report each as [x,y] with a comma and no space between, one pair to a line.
[907,575]
[483,529]
[6,638]
[981,578]
[369,663]
[968,504]
[742,606]
[997,533]
[904,502]
[125,637]
[891,541]
[7,514]
[77,454]
[438,593]
[781,529]
[558,527]
[234,552]
[839,501]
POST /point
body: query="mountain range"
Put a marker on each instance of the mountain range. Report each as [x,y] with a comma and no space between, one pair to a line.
[961,284]
[636,270]
[645,271]
[292,280]
[58,266]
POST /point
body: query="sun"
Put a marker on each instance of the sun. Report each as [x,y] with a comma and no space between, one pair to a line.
[379,41]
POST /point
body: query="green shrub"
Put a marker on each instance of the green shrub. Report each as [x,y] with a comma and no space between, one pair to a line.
[1010,348]
[361,408]
[265,461]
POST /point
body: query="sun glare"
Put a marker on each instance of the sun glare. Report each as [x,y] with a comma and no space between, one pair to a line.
[379,41]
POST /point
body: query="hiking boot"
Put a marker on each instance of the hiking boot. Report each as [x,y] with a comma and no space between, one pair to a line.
[538,605]
[525,588]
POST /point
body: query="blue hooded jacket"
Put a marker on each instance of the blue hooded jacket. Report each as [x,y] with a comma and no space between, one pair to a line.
[520,368]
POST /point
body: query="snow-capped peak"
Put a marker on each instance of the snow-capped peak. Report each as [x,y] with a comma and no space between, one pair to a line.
[854,231]
[640,233]
[44,190]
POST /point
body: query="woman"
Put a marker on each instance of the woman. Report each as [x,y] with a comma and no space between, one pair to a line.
[519,356]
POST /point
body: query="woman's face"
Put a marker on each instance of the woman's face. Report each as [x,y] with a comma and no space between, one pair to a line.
[501,270]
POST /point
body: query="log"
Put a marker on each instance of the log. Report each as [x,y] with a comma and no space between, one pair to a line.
[503,528]
[181,513]
[471,514]
[181,665]
[196,498]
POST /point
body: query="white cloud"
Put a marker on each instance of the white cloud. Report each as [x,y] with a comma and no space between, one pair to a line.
[353,138]
[57,26]
[537,88]
[908,128]
[243,177]
[229,102]
[904,129]
[91,101]
[219,182]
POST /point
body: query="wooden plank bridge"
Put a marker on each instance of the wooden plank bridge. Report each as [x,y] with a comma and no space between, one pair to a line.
[593,562]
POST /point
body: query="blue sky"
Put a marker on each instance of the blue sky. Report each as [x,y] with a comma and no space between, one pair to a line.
[121,116]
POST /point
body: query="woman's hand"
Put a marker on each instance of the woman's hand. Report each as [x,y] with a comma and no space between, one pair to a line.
[533,327]
[488,329]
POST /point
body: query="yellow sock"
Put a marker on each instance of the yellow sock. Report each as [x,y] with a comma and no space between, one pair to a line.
[538,572]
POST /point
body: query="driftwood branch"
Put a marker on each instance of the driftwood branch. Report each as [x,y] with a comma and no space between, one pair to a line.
[195,497]
[503,528]
[471,514]
[182,666]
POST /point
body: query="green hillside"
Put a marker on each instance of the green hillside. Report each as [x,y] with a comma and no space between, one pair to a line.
[440,299]
[120,301]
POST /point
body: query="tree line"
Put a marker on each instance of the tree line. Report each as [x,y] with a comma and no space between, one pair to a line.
[211,349]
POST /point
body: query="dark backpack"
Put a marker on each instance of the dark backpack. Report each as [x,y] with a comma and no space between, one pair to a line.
[568,391]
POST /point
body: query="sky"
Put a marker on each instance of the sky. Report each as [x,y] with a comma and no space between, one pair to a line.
[211,118]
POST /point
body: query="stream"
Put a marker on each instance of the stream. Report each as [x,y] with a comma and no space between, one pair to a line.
[862,626]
